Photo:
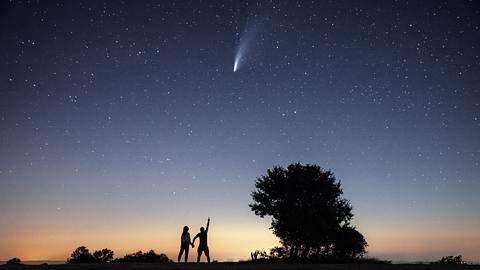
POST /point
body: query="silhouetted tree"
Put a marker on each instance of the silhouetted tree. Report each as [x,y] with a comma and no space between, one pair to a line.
[81,255]
[103,256]
[451,260]
[14,261]
[308,213]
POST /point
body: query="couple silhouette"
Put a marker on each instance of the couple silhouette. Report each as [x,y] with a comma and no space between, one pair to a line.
[186,243]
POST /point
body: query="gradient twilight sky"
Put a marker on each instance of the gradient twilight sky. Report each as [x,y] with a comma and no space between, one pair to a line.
[122,121]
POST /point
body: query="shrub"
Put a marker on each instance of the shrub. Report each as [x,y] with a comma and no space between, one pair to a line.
[14,261]
[82,255]
[451,260]
[140,257]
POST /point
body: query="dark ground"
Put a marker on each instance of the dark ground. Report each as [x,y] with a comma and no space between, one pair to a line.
[238,266]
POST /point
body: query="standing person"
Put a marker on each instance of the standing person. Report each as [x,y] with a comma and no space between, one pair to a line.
[184,243]
[203,246]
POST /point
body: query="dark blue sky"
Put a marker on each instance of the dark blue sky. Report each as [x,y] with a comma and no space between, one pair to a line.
[113,111]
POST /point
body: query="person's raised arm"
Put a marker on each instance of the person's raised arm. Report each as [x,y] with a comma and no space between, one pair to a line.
[208,224]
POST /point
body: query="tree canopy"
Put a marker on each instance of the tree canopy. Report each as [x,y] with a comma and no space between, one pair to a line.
[103,256]
[81,255]
[309,214]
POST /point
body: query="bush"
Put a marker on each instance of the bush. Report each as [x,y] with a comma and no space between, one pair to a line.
[14,261]
[451,260]
[259,255]
[140,257]
[82,255]
[279,255]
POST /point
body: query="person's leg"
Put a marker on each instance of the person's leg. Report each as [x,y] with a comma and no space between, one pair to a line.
[186,254]
[207,254]
[180,254]
[199,250]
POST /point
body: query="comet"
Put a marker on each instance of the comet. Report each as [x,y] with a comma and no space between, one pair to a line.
[235,63]
[244,46]
[238,59]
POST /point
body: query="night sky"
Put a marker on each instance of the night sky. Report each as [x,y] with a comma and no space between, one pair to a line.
[123,121]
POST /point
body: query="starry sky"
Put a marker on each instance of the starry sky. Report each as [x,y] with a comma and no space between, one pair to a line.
[123,121]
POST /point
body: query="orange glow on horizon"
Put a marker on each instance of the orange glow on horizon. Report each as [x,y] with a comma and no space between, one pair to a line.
[230,241]
[226,243]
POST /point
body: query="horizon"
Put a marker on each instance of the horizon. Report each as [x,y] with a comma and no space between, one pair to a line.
[121,122]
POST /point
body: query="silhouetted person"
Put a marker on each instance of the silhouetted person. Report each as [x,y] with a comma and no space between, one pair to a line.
[184,244]
[203,246]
